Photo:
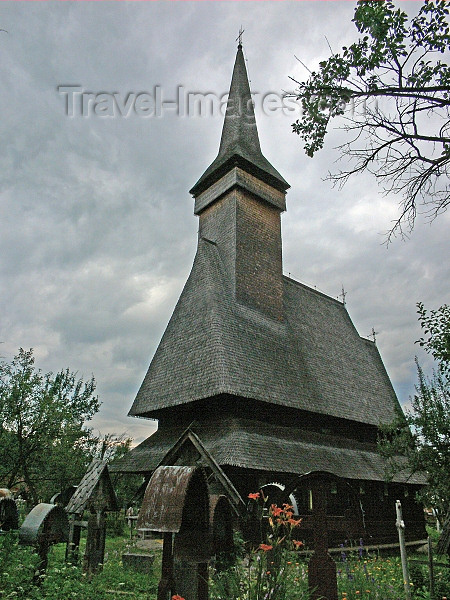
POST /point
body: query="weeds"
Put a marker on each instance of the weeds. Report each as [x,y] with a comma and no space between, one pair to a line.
[267,570]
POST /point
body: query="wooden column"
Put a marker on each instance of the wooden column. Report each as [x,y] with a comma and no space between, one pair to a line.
[203,578]
[322,579]
[42,548]
[165,586]
[94,555]
[191,580]
[73,545]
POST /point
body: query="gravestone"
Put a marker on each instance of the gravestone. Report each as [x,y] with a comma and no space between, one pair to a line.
[176,504]
[9,515]
[63,497]
[141,563]
[322,580]
[94,494]
[45,525]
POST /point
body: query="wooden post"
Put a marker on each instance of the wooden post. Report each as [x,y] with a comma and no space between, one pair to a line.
[166,581]
[322,579]
[42,549]
[203,576]
[431,566]
[190,580]
[401,537]
[73,544]
[185,579]
[95,543]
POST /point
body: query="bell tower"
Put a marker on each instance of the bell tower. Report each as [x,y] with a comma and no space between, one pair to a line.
[239,200]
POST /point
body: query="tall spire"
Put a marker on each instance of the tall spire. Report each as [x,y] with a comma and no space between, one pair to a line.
[239,145]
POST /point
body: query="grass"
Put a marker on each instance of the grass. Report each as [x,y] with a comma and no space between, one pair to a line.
[360,576]
[63,581]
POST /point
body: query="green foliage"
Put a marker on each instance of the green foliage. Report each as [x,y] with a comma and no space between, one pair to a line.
[423,436]
[418,575]
[359,576]
[43,442]
[64,581]
[270,571]
[436,325]
[241,582]
[426,440]
[362,575]
[115,524]
[17,567]
[420,578]
[392,88]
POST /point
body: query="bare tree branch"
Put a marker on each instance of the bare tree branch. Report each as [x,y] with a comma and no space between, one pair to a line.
[392,89]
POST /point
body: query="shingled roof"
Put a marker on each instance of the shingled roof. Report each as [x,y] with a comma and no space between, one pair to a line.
[313,360]
[239,144]
[95,485]
[252,444]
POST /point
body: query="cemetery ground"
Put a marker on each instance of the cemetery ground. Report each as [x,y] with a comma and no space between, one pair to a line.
[361,575]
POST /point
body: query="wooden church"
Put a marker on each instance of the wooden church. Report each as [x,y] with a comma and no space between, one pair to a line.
[270,374]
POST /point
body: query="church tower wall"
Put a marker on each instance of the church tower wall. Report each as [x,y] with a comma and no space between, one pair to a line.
[248,232]
[258,255]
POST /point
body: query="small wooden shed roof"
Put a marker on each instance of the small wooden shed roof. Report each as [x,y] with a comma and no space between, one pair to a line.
[95,490]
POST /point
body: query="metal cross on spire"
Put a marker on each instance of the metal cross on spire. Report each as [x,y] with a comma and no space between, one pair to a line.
[239,37]
[343,295]
[373,335]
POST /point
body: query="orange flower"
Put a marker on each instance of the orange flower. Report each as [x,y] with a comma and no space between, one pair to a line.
[297,543]
[265,547]
[254,496]
[177,597]
[275,510]
[294,522]
[287,506]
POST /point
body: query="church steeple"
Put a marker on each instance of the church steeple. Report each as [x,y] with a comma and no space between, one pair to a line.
[239,145]
[239,200]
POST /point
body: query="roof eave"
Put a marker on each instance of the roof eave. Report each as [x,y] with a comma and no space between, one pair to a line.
[215,172]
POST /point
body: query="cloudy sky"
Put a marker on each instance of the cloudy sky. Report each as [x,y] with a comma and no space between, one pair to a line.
[97,232]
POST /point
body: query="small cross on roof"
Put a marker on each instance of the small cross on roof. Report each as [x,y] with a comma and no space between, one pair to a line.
[239,37]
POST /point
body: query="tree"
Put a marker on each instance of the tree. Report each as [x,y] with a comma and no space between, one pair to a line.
[423,435]
[126,485]
[436,325]
[392,90]
[43,441]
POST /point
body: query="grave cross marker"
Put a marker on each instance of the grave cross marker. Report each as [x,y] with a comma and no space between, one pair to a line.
[176,503]
[96,495]
[45,525]
[322,580]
